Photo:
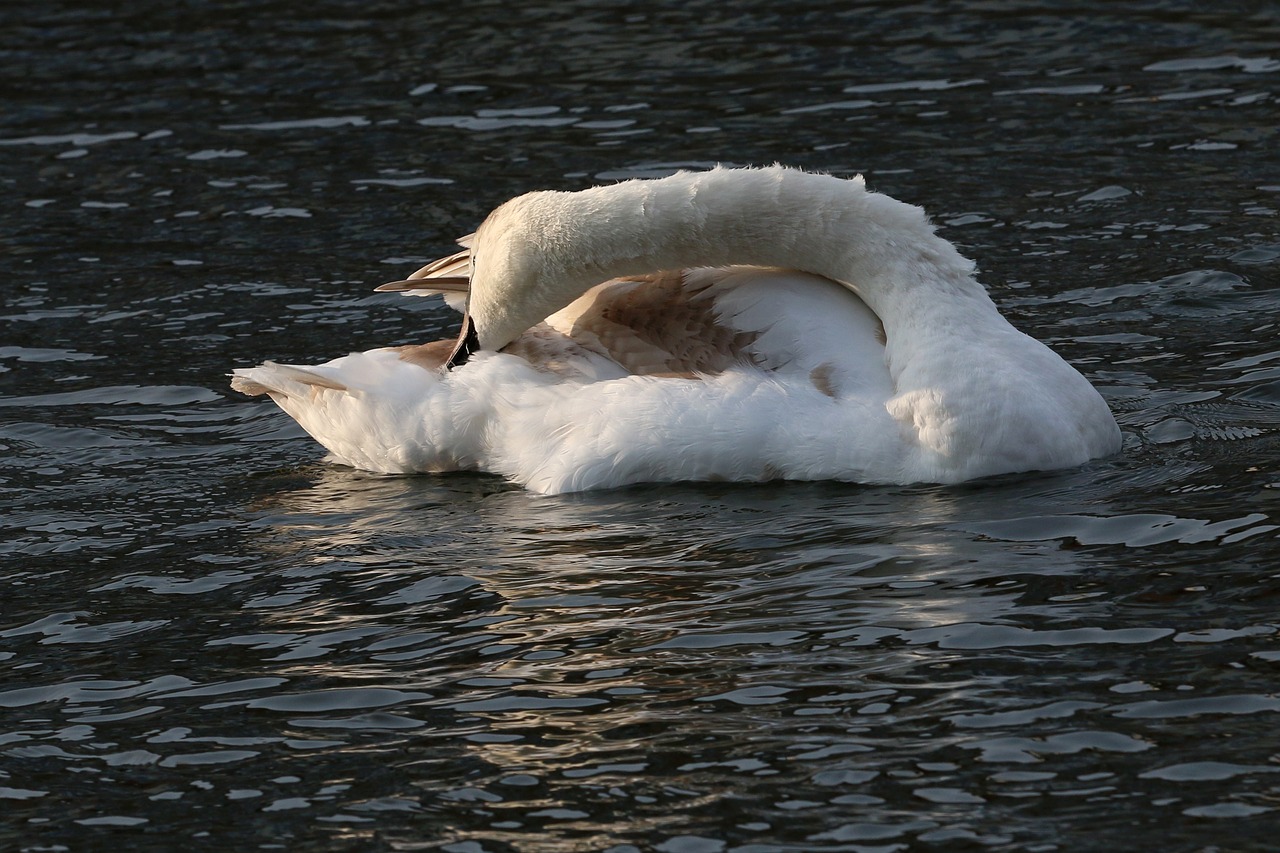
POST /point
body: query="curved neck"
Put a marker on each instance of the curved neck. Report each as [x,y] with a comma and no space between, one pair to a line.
[560,244]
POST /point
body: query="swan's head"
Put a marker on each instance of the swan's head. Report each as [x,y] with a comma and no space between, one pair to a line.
[528,260]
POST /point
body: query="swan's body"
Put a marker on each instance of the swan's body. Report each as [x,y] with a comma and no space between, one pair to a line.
[804,328]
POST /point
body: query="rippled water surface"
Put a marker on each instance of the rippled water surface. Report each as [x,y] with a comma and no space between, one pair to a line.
[212,639]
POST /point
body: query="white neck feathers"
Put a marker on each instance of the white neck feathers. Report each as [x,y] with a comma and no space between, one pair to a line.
[540,251]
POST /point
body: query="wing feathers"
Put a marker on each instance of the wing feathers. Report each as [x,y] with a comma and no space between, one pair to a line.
[655,325]
[455,264]
[426,286]
[444,276]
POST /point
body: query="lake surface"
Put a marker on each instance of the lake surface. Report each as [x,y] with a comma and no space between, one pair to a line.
[210,638]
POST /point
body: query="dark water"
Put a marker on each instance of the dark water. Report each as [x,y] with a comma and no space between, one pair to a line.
[210,639]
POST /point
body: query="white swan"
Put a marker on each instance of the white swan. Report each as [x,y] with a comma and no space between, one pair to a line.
[736,324]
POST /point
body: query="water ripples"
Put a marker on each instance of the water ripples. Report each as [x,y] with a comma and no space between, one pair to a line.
[870,662]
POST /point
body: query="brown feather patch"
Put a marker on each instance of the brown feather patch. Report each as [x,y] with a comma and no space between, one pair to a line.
[550,352]
[649,325]
[822,379]
[432,356]
[655,324]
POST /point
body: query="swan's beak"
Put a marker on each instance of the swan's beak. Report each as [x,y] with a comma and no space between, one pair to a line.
[468,342]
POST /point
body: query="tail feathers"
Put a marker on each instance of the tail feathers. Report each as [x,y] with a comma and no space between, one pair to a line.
[274,378]
[245,385]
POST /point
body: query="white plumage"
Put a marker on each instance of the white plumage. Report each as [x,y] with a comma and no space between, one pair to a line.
[737,324]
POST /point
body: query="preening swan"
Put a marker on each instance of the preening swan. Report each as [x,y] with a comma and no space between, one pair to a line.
[736,324]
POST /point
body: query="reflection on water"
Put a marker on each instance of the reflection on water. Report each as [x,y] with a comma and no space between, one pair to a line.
[811,664]
[209,636]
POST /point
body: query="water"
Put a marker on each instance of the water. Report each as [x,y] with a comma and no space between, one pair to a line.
[211,638]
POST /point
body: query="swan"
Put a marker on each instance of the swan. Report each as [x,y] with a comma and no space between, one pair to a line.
[735,324]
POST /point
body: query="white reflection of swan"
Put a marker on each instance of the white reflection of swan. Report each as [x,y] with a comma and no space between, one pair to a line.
[695,328]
